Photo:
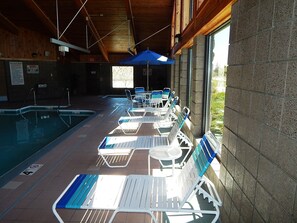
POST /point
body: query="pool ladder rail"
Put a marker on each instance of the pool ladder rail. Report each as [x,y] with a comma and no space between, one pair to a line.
[33,89]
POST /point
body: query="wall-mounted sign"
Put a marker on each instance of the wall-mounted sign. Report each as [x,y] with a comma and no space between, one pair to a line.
[16,73]
[32,69]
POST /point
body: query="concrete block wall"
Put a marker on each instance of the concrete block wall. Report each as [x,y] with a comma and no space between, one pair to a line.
[258,177]
[175,85]
[183,77]
[172,76]
[197,84]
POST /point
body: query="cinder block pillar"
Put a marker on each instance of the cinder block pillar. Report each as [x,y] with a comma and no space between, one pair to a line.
[197,84]
[175,85]
[183,77]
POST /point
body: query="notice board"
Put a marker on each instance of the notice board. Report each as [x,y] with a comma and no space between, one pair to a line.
[16,73]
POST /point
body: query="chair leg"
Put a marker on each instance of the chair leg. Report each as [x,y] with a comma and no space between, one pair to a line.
[149,164]
[127,132]
[113,216]
[148,212]
[173,166]
[117,166]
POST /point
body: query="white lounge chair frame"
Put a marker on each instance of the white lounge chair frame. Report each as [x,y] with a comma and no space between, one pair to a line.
[127,122]
[148,194]
[126,145]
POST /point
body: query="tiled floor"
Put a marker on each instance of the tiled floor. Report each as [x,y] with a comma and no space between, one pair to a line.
[28,199]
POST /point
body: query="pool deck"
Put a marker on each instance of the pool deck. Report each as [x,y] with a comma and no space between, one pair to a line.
[29,199]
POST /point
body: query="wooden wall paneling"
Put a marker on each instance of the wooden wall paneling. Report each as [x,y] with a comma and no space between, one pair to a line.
[22,46]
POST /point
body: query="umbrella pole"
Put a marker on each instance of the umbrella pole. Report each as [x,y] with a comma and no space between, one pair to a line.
[147,76]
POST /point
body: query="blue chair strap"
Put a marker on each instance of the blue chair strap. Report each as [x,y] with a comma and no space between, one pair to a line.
[75,196]
[203,155]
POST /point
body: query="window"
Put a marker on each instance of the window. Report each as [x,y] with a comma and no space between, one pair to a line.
[122,77]
[186,12]
[191,9]
[189,76]
[218,44]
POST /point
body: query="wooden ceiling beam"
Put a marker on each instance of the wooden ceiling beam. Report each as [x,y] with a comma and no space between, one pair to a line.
[130,17]
[31,4]
[209,16]
[8,25]
[93,28]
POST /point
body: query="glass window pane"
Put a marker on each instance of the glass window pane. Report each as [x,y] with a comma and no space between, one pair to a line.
[122,77]
[189,76]
[219,43]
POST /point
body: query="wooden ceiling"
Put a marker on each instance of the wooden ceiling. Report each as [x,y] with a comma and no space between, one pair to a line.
[101,26]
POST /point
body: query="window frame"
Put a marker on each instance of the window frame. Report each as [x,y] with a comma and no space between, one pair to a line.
[206,123]
[189,76]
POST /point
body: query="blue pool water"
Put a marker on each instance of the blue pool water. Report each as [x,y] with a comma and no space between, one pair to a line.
[24,132]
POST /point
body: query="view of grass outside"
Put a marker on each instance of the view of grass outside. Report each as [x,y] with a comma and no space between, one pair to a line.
[219,50]
[217,103]
[122,77]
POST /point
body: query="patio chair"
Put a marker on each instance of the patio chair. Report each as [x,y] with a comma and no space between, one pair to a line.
[155,99]
[139,90]
[159,111]
[140,94]
[132,100]
[165,93]
[130,125]
[149,194]
[173,153]
[112,146]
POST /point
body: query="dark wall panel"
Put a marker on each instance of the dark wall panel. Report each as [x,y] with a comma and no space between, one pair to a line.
[51,79]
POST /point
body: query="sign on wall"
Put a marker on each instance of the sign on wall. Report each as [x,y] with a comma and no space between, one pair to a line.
[32,69]
[16,73]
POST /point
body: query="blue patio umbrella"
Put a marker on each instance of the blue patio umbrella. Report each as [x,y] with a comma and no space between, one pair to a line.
[147,58]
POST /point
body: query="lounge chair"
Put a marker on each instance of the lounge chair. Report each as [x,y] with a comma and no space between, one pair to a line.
[159,111]
[149,194]
[130,125]
[112,146]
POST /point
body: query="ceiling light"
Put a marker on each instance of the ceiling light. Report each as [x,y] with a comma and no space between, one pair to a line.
[71,46]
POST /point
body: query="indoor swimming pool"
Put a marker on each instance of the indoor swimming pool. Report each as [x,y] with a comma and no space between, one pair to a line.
[25,131]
